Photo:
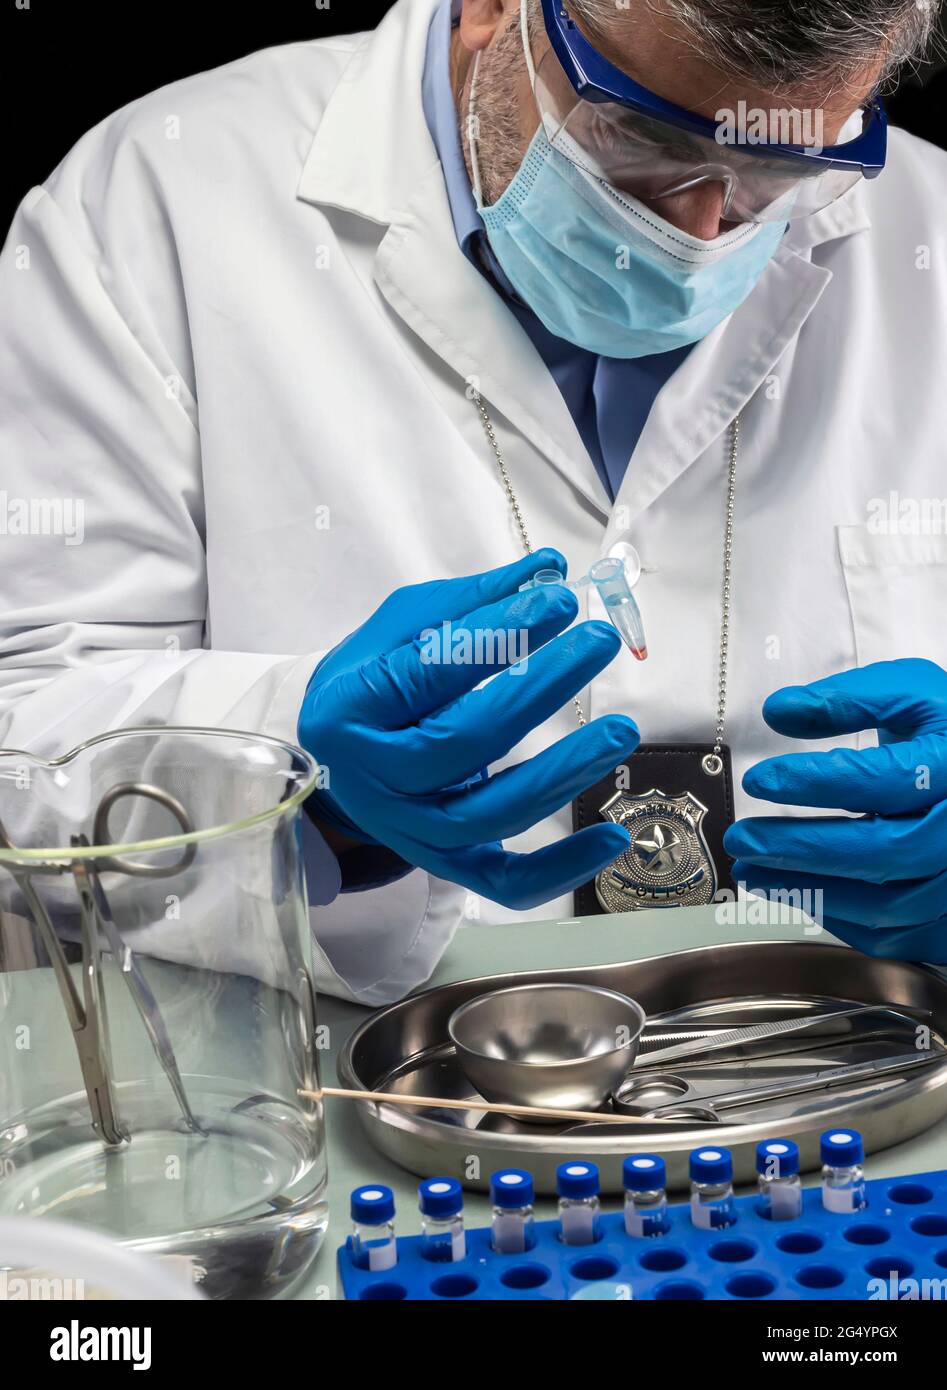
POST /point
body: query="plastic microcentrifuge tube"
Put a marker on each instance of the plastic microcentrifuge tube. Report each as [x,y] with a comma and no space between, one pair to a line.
[579,1207]
[711,1173]
[843,1182]
[511,1191]
[372,1242]
[646,1205]
[780,1187]
[442,1219]
[610,578]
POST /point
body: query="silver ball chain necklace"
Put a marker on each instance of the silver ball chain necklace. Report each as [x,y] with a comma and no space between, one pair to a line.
[675,856]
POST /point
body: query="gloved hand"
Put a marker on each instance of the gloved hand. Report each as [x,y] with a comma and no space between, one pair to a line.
[883,876]
[405,738]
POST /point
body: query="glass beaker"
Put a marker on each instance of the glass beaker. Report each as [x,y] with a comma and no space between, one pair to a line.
[157,1013]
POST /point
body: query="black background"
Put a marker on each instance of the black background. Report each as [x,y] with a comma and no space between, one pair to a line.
[227,1341]
[69,63]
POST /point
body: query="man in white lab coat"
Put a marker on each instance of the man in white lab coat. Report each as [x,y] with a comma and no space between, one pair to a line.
[267,336]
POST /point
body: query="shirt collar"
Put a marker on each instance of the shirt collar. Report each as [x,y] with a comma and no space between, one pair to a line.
[440,112]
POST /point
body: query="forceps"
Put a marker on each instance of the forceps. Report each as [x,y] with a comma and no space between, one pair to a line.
[87,1016]
[745,1041]
[665,1096]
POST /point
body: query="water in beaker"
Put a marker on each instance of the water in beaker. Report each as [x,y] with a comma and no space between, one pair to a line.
[218,1159]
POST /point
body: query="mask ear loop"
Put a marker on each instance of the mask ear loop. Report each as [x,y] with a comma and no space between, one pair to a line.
[472,136]
[527,51]
[477,184]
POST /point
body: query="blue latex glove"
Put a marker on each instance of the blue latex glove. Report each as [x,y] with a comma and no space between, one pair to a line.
[884,875]
[406,741]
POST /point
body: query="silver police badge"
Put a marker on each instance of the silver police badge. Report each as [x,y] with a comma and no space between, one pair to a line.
[667,863]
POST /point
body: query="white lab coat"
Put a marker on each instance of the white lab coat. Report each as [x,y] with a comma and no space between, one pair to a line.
[236,324]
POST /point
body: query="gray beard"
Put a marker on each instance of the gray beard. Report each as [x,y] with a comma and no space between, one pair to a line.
[496,115]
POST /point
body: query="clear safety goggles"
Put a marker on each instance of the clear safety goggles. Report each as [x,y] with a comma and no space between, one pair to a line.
[622,133]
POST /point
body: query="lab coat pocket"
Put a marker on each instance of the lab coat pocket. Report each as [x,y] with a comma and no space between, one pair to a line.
[897,591]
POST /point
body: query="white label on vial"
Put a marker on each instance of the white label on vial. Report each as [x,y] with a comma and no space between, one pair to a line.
[509,1234]
[785,1202]
[458,1245]
[578,1225]
[382,1256]
[701,1216]
[841,1199]
[634,1222]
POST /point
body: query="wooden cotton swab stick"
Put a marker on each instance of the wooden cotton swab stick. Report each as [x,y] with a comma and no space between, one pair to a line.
[441,1103]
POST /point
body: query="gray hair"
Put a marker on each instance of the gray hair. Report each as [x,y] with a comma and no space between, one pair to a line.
[787,42]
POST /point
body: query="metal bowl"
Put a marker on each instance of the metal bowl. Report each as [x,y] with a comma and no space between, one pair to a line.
[561,1045]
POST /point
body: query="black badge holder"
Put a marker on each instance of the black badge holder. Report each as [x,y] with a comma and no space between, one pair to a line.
[673,769]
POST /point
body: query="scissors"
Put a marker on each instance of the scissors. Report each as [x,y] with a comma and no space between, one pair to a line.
[87,1015]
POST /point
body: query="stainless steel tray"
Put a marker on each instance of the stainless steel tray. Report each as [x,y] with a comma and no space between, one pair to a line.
[405,1048]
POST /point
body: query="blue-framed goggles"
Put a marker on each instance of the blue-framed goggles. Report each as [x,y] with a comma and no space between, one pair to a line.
[638,142]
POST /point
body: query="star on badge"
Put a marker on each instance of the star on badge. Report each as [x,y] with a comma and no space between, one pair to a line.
[661,850]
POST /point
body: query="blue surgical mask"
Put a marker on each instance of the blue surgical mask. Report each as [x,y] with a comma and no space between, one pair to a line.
[604,271]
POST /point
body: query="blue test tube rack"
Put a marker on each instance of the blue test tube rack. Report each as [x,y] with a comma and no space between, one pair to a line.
[899,1239]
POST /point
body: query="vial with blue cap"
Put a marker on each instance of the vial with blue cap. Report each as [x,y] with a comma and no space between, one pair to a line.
[372,1242]
[513,1228]
[441,1201]
[579,1207]
[780,1187]
[644,1179]
[843,1180]
[711,1172]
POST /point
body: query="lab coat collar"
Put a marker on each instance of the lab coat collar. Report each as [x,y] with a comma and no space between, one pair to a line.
[398,182]
[718,378]
[439,293]
[839,219]
[372,145]
[725,370]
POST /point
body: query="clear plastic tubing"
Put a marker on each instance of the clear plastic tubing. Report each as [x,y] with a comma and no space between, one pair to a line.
[843,1181]
[644,1179]
[711,1172]
[511,1192]
[372,1242]
[441,1201]
[579,1207]
[610,578]
[780,1187]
